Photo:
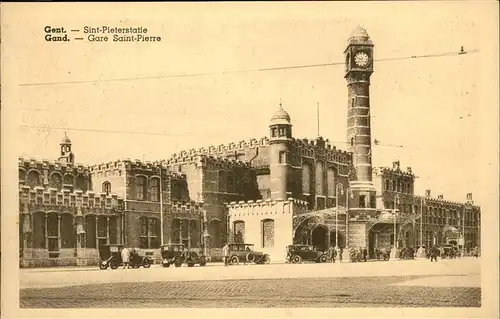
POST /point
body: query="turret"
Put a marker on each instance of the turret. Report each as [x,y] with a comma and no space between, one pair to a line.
[66,153]
[280,132]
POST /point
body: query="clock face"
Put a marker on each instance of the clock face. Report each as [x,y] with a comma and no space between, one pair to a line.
[361,59]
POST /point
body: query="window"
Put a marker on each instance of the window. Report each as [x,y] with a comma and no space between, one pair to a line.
[230,183]
[56,181]
[387,185]
[149,236]
[282,157]
[140,188]
[306,179]
[106,188]
[331,182]
[239,232]
[34,179]
[393,186]
[222,181]
[352,141]
[81,183]
[268,233]
[319,179]
[362,199]
[155,190]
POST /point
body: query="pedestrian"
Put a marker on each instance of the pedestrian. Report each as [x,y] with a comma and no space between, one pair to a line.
[434,253]
[331,254]
[125,257]
[340,252]
[365,253]
[225,254]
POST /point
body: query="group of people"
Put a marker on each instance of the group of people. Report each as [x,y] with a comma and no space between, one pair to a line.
[127,255]
[335,253]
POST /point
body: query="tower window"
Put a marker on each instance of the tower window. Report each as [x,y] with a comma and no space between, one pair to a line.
[353,102]
[282,157]
[352,141]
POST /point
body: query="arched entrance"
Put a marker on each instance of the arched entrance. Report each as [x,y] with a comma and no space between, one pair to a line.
[333,239]
[319,238]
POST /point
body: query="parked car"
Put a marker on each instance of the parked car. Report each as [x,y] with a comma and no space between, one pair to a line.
[177,254]
[298,253]
[111,256]
[245,253]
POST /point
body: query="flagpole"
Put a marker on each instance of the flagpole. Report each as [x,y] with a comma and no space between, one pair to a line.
[161,204]
[421,218]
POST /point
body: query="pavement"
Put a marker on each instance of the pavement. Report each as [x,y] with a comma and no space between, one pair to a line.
[413,283]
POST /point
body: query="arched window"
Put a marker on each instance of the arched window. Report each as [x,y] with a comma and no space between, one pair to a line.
[140,188]
[68,179]
[331,181]
[267,233]
[215,233]
[34,179]
[222,181]
[230,183]
[319,179]
[56,181]
[306,179]
[106,188]
[81,183]
[239,231]
[155,190]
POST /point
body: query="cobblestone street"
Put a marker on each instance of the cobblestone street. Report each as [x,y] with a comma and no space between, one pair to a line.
[439,285]
[307,292]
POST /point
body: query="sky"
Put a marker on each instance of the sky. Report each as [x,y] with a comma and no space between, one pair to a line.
[436,108]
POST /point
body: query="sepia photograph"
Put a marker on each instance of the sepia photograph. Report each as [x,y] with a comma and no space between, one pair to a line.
[323,159]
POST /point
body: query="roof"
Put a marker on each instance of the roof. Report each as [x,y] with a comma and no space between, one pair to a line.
[280,116]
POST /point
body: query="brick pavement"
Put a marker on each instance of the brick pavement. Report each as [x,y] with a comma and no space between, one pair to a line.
[291,292]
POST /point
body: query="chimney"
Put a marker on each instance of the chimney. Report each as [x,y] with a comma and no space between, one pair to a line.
[408,169]
[440,196]
[395,165]
[427,193]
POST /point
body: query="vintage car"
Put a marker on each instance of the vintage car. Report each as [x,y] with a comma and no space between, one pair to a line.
[298,253]
[177,254]
[245,253]
[111,256]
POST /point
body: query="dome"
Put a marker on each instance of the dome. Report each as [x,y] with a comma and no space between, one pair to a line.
[280,116]
[359,35]
[65,139]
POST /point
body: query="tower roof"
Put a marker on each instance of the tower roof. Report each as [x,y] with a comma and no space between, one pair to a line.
[359,35]
[65,139]
[280,116]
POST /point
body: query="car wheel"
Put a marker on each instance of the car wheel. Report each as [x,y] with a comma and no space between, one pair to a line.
[234,260]
[177,262]
[267,259]
[166,265]
[103,266]
[113,266]
[202,261]
[146,263]
[323,259]
[250,257]
[296,259]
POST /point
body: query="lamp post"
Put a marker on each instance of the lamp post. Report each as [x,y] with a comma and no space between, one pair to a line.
[339,189]
[394,250]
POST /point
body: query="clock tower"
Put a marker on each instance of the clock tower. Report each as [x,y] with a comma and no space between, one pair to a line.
[358,69]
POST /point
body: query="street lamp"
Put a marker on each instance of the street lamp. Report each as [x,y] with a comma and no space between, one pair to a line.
[338,188]
[396,204]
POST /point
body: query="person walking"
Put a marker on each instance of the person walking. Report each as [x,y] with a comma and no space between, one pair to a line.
[365,254]
[225,254]
[125,257]
[434,253]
